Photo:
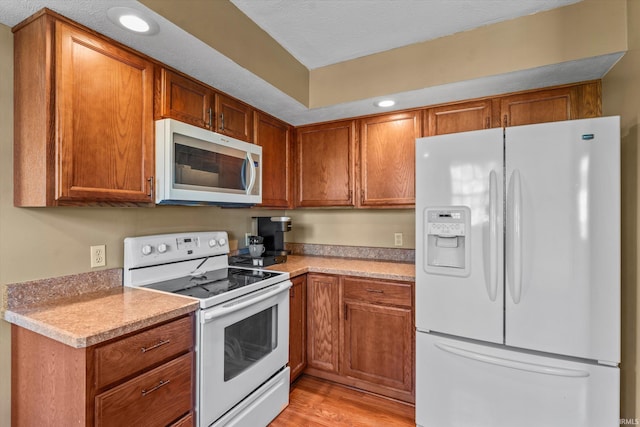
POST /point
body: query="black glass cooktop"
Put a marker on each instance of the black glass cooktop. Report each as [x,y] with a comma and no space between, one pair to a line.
[213,283]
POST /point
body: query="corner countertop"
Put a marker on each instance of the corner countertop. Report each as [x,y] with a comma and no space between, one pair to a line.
[389,270]
[88,318]
[81,319]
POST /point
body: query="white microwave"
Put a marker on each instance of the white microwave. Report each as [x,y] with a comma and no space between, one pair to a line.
[195,166]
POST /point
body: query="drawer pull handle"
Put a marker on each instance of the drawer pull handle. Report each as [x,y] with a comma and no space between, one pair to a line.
[151,390]
[375,291]
[159,344]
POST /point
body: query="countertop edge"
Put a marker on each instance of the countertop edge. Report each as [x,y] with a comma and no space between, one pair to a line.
[374,269]
[362,274]
[75,341]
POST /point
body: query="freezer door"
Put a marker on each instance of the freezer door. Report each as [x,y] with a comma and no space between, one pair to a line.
[459,291]
[563,238]
[461,384]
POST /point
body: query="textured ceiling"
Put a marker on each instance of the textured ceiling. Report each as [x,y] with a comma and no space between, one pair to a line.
[319,33]
[320,36]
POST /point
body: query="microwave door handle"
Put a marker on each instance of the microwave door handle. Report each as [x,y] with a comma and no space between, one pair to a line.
[243,173]
[252,179]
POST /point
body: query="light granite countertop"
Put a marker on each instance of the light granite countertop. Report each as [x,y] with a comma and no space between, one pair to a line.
[389,270]
[86,309]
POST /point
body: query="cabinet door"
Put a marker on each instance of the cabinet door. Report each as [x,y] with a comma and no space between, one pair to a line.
[234,118]
[325,164]
[323,322]
[297,326]
[185,100]
[274,137]
[105,135]
[378,345]
[387,158]
[455,118]
[565,103]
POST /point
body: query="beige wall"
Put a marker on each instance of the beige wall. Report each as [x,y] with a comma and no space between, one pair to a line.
[585,29]
[621,96]
[221,25]
[559,35]
[352,227]
[47,242]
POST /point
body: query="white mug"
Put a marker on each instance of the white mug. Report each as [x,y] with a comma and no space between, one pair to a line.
[256,251]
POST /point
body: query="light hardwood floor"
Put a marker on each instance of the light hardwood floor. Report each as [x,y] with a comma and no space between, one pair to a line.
[315,402]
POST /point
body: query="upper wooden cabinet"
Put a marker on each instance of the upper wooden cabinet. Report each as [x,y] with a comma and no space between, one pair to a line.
[274,137]
[564,103]
[189,101]
[387,159]
[460,117]
[83,124]
[325,164]
[234,118]
[184,99]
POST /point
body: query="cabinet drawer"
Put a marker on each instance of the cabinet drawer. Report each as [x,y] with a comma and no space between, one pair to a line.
[186,421]
[376,291]
[155,398]
[127,356]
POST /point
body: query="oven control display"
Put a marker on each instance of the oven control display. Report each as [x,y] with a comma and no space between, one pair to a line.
[187,243]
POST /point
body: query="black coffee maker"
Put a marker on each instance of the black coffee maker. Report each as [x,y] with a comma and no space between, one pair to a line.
[272,229]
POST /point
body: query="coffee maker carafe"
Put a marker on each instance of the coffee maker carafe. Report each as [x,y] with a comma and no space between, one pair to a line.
[272,229]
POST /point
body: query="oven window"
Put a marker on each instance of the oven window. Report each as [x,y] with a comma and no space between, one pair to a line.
[249,340]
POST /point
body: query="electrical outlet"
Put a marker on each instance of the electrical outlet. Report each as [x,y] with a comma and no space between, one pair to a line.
[98,256]
[397,237]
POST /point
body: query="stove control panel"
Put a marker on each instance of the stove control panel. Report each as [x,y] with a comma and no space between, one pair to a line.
[167,248]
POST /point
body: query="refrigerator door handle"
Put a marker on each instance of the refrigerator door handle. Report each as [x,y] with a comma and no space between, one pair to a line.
[493,236]
[513,364]
[514,250]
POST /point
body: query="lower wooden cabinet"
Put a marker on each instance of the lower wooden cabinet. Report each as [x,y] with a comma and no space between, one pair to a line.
[143,379]
[297,326]
[323,322]
[360,332]
[379,335]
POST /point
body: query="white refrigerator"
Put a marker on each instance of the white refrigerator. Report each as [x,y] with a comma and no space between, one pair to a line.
[518,276]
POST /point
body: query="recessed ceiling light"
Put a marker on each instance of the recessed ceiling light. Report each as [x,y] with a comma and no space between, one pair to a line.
[134,23]
[385,103]
[132,20]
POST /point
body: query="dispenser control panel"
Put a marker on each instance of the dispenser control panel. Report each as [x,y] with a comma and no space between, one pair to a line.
[447,240]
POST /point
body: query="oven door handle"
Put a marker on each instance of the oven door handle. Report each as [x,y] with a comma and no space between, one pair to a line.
[245,301]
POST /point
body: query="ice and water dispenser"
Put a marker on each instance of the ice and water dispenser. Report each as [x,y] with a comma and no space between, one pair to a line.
[447,243]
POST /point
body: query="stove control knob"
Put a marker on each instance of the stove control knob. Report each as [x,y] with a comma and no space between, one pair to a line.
[147,249]
[212,243]
[162,248]
[222,242]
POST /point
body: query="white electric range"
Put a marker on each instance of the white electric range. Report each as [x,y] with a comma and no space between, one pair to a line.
[242,333]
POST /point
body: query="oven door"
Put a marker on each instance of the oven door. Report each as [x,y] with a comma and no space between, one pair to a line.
[243,342]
